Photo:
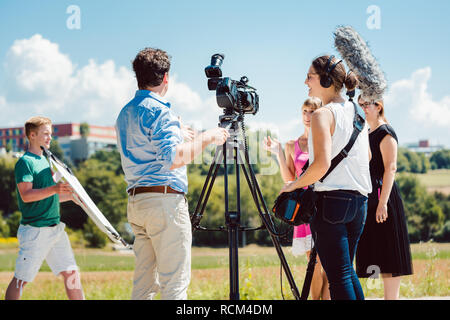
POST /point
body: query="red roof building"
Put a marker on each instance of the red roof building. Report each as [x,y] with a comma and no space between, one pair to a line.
[76,147]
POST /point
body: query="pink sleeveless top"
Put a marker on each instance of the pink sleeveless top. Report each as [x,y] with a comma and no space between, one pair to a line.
[300,159]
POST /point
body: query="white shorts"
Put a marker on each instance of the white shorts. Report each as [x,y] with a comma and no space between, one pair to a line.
[37,244]
[301,245]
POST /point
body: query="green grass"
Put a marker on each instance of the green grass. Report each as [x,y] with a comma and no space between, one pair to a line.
[86,261]
[435,178]
[202,258]
[98,261]
[108,275]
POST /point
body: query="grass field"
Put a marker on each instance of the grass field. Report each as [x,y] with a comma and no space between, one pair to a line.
[107,274]
[436,180]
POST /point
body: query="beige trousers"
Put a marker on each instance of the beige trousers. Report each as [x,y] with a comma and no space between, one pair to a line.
[162,245]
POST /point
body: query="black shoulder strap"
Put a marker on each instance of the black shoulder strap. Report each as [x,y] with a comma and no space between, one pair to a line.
[358,124]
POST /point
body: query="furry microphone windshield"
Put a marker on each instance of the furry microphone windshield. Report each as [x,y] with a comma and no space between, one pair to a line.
[360,60]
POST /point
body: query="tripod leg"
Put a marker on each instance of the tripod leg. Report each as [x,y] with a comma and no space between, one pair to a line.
[232,218]
[275,241]
[233,240]
[233,234]
[207,187]
[309,274]
[214,167]
[233,223]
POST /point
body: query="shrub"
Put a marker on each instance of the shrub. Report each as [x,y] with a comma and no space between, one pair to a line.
[94,237]
[4,228]
[13,222]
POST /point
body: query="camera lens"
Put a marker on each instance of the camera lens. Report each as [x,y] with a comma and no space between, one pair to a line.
[217,59]
[213,70]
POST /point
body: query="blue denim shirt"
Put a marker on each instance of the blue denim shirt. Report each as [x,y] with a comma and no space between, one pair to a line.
[147,135]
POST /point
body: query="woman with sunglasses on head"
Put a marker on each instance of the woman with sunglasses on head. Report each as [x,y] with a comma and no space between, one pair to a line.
[342,196]
[292,161]
[384,245]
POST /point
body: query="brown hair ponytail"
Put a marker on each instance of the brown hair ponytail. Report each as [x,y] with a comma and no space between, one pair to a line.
[350,81]
[339,76]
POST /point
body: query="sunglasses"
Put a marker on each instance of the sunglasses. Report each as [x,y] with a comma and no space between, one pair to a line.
[367,104]
[308,75]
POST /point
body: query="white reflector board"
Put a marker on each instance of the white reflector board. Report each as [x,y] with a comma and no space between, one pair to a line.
[83,199]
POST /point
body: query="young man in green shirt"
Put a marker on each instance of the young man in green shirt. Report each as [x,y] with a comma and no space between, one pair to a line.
[41,234]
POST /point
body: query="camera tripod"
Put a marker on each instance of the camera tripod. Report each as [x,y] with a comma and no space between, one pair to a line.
[232,218]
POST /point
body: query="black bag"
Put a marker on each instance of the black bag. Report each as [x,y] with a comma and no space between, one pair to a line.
[299,206]
[296,207]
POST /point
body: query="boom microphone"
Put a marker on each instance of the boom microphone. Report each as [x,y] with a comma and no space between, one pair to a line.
[360,60]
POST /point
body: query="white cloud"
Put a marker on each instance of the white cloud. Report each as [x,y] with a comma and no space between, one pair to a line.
[193,110]
[285,131]
[412,96]
[181,94]
[35,68]
[102,90]
[414,114]
[39,79]
[410,109]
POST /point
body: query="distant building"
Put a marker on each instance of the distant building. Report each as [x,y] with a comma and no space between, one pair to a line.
[75,146]
[424,146]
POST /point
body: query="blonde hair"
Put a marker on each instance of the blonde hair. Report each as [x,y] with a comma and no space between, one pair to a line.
[33,124]
[313,102]
[378,103]
[381,114]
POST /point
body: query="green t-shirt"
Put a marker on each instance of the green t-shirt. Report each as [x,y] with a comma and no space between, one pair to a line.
[36,169]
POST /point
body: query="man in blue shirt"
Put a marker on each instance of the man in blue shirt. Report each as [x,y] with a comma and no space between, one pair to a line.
[154,155]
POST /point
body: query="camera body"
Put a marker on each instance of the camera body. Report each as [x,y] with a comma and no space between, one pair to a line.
[231,95]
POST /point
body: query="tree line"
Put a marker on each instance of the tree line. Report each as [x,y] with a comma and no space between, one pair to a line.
[428,214]
[418,162]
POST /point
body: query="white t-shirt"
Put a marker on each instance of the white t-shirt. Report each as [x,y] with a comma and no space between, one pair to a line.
[352,173]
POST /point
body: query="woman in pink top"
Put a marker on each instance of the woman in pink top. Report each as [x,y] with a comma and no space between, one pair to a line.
[291,163]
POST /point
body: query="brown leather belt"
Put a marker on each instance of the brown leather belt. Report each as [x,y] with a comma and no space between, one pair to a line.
[158,189]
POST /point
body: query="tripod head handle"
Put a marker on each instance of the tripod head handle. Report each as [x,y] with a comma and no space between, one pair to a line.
[228,120]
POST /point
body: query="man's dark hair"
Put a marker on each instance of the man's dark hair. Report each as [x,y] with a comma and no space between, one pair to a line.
[150,65]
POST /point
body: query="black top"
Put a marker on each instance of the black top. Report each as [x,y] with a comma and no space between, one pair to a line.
[384,245]
[376,163]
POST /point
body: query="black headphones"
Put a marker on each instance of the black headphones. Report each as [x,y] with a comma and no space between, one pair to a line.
[325,79]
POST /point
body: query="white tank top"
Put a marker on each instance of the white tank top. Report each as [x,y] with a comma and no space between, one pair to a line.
[352,173]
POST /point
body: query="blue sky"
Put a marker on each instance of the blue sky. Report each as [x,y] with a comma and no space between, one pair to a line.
[273,43]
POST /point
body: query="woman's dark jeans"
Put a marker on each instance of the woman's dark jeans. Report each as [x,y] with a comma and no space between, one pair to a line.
[336,229]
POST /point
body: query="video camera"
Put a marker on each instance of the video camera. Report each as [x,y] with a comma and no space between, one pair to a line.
[233,96]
